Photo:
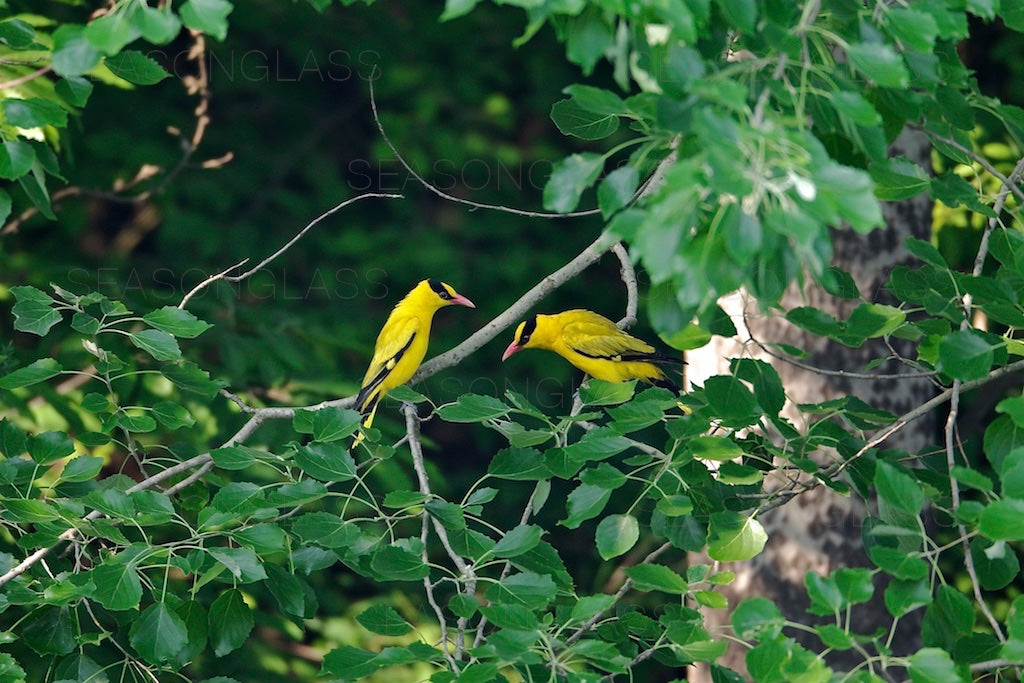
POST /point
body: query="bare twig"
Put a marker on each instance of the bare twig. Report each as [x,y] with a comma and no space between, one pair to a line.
[1009,184]
[466,573]
[459,200]
[623,589]
[195,85]
[209,281]
[954,405]
[312,224]
[15,82]
[198,461]
[629,280]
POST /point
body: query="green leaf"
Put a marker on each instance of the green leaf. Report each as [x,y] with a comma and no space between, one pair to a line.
[898,489]
[172,415]
[75,90]
[740,13]
[33,312]
[453,9]
[880,63]
[236,457]
[111,32]
[932,665]
[82,468]
[732,401]
[591,605]
[73,54]
[518,464]
[617,189]
[385,620]
[898,563]
[243,563]
[898,179]
[996,563]
[49,631]
[5,199]
[585,502]
[156,343]
[463,605]
[176,321]
[158,26]
[208,16]
[230,622]
[733,537]
[616,534]
[188,377]
[1014,407]
[473,408]
[331,424]
[326,462]
[1003,520]
[757,619]
[598,392]
[714,448]
[48,447]
[349,663]
[33,113]
[824,593]
[572,119]
[17,34]
[16,159]
[326,529]
[136,423]
[135,67]
[569,178]
[903,597]
[656,577]
[393,563]
[965,355]
[158,634]
[287,589]
[117,584]
[39,371]
[533,591]
[520,539]
[917,30]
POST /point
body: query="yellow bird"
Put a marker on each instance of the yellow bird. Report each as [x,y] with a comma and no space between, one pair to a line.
[595,345]
[402,343]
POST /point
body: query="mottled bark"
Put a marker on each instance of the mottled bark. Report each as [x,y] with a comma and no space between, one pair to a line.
[820,530]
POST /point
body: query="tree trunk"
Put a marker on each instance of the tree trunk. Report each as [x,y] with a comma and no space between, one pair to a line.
[820,530]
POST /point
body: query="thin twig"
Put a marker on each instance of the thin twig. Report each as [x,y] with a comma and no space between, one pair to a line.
[628,274]
[198,461]
[954,406]
[623,589]
[982,161]
[14,82]
[459,200]
[209,281]
[412,429]
[312,224]
[446,360]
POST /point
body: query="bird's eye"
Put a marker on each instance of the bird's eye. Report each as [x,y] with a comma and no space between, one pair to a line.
[445,295]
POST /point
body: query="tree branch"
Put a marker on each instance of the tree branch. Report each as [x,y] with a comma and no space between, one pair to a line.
[412,429]
[628,274]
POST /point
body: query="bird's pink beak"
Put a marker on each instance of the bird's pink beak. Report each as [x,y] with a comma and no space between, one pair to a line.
[512,348]
[463,301]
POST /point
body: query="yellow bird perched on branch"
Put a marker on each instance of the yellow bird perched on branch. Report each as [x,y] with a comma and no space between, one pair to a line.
[595,345]
[402,343]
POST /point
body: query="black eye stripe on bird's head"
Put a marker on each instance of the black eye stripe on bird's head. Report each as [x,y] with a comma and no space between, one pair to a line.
[439,289]
[528,328]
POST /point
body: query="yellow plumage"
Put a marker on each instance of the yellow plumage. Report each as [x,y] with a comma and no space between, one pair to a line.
[402,343]
[595,345]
